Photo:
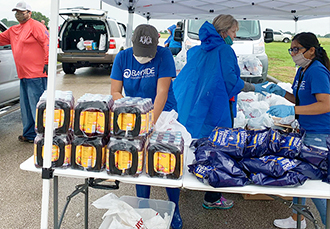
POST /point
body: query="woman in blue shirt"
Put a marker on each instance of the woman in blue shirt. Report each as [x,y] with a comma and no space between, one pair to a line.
[311,94]
[146,71]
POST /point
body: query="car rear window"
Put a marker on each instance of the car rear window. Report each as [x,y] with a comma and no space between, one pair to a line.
[114,29]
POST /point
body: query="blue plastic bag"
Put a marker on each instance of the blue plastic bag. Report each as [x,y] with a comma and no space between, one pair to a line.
[290,145]
[314,156]
[274,141]
[257,143]
[215,177]
[268,165]
[310,171]
[213,156]
[229,140]
[287,179]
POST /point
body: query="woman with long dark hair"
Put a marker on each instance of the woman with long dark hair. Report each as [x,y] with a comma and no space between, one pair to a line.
[311,96]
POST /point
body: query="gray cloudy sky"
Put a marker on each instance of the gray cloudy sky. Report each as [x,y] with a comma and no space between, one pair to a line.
[317,26]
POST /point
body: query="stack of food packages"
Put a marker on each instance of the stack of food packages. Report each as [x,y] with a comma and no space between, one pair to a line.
[165,155]
[98,133]
[91,130]
[132,140]
[63,134]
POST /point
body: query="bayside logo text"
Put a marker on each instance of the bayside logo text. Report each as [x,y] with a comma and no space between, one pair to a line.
[145,73]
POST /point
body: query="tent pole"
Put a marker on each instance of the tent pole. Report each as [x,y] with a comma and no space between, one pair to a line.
[129,27]
[46,171]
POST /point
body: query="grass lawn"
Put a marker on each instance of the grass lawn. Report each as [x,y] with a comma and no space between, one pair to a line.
[280,64]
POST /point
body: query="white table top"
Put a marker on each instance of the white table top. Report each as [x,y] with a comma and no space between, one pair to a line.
[310,189]
[28,165]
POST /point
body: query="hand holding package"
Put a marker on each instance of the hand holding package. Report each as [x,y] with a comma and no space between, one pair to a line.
[274,88]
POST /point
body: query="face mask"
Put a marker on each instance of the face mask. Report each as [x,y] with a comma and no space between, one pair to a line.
[228,40]
[142,59]
[21,17]
[300,60]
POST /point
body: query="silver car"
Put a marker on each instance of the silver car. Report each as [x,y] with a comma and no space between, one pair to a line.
[9,82]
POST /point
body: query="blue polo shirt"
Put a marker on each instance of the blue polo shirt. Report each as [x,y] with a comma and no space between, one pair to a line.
[316,80]
[140,80]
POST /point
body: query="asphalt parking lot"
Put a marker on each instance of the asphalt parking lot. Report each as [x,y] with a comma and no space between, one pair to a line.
[21,191]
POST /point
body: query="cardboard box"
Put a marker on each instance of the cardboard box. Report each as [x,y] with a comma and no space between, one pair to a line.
[261,197]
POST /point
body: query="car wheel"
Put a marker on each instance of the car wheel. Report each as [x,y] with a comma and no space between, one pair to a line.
[286,40]
[68,68]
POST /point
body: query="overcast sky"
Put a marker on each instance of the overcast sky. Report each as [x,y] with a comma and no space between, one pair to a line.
[317,26]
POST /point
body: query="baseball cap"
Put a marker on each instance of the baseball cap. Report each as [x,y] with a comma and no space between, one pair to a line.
[145,41]
[22,6]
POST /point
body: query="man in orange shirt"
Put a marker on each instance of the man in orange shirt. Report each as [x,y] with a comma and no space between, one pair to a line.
[30,45]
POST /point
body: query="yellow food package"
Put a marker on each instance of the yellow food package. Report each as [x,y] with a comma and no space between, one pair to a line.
[67,157]
[123,160]
[128,121]
[100,122]
[78,154]
[82,121]
[90,121]
[88,156]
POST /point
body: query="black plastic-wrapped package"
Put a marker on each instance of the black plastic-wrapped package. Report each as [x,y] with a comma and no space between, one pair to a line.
[88,153]
[268,165]
[61,151]
[287,179]
[125,156]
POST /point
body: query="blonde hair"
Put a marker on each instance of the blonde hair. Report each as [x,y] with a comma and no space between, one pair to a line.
[223,22]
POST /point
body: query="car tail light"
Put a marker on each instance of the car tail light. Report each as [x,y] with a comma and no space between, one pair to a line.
[58,43]
[112,44]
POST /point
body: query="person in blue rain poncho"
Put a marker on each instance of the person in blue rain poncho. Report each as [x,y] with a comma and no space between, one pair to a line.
[311,95]
[207,87]
[174,46]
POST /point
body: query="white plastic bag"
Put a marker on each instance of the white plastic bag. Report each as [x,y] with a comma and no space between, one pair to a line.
[168,121]
[80,44]
[102,42]
[122,215]
[180,61]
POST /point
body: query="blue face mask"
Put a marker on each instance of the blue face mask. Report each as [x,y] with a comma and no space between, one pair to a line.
[228,40]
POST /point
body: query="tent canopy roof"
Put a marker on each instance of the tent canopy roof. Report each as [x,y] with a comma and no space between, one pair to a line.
[240,9]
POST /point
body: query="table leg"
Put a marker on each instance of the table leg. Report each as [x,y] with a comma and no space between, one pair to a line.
[55,201]
[86,204]
[299,215]
[328,214]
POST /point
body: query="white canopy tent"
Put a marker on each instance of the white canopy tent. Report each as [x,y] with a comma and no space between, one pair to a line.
[170,9]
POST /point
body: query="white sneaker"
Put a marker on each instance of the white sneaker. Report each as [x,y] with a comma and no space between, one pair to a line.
[289,223]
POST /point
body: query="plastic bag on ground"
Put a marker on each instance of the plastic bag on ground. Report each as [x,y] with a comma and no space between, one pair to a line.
[122,215]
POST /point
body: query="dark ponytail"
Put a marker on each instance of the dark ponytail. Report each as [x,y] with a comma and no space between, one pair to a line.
[308,40]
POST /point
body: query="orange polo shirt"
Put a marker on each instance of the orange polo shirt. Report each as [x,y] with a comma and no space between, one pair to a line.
[30,46]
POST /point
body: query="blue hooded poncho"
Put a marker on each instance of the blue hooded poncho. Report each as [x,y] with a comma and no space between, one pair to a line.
[170,29]
[207,82]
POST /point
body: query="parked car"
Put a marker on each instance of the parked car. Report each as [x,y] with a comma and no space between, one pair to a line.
[280,36]
[89,37]
[9,82]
